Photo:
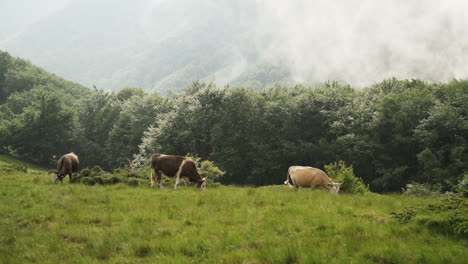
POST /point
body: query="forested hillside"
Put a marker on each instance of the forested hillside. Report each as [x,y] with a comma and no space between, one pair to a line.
[392,133]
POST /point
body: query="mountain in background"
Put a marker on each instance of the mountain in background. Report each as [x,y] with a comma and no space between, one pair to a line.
[156,45]
[166,44]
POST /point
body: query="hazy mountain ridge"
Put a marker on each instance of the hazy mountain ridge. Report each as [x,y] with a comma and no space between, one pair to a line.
[164,45]
[128,46]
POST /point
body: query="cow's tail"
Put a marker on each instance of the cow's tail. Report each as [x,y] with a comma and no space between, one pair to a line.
[60,165]
[288,180]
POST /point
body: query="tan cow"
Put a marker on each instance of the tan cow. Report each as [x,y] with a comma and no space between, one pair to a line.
[310,177]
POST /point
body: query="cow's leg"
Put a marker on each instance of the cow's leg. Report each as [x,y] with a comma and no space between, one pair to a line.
[153,177]
[159,179]
[178,175]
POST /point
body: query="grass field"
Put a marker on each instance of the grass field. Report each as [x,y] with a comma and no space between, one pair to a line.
[41,222]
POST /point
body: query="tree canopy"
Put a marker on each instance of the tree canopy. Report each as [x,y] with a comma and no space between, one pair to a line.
[392,133]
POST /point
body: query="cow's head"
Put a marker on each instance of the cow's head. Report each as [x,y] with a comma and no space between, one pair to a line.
[201,184]
[334,187]
[56,176]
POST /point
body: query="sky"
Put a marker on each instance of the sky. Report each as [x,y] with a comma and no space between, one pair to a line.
[357,42]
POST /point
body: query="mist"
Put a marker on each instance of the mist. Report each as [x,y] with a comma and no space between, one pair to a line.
[361,42]
[164,45]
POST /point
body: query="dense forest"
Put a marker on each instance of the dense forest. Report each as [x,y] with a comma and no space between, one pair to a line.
[392,133]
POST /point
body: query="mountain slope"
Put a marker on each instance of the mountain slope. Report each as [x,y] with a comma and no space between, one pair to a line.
[157,45]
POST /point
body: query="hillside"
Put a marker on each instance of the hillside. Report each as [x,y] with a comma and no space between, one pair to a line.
[18,75]
[74,223]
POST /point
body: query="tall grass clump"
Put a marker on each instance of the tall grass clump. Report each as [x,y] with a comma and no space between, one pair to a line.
[340,172]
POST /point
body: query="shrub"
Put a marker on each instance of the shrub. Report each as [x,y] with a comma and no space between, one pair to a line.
[114,180]
[87,181]
[422,190]
[76,178]
[96,169]
[133,182]
[106,181]
[85,172]
[99,180]
[119,171]
[208,169]
[447,215]
[342,173]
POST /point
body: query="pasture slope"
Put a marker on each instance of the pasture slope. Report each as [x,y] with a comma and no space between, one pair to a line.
[41,222]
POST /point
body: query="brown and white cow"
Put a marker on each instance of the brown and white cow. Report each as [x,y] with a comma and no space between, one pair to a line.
[175,166]
[310,177]
[66,165]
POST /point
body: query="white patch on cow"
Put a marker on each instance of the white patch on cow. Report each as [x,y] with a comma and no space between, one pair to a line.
[335,188]
[203,185]
[178,174]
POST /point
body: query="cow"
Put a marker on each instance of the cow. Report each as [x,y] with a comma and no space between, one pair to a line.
[66,165]
[310,177]
[175,166]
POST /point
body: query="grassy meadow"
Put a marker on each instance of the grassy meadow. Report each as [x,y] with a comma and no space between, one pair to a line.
[43,222]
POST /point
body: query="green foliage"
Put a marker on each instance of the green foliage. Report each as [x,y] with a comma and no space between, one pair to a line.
[341,173]
[85,172]
[99,180]
[394,132]
[96,170]
[208,169]
[422,190]
[133,182]
[87,180]
[76,177]
[448,215]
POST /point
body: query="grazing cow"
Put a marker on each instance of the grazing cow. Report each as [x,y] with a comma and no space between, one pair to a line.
[175,166]
[310,177]
[66,165]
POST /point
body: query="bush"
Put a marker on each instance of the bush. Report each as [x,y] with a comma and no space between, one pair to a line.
[114,180]
[87,181]
[99,180]
[97,170]
[448,215]
[342,173]
[106,181]
[422,190]
[208,169]
[76,178]
[85,172]
[133,182]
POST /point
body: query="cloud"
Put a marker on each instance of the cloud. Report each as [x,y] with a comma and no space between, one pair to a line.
[361,42]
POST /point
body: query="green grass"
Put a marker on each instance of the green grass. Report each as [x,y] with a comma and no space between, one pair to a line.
[42,222]
[6,160]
